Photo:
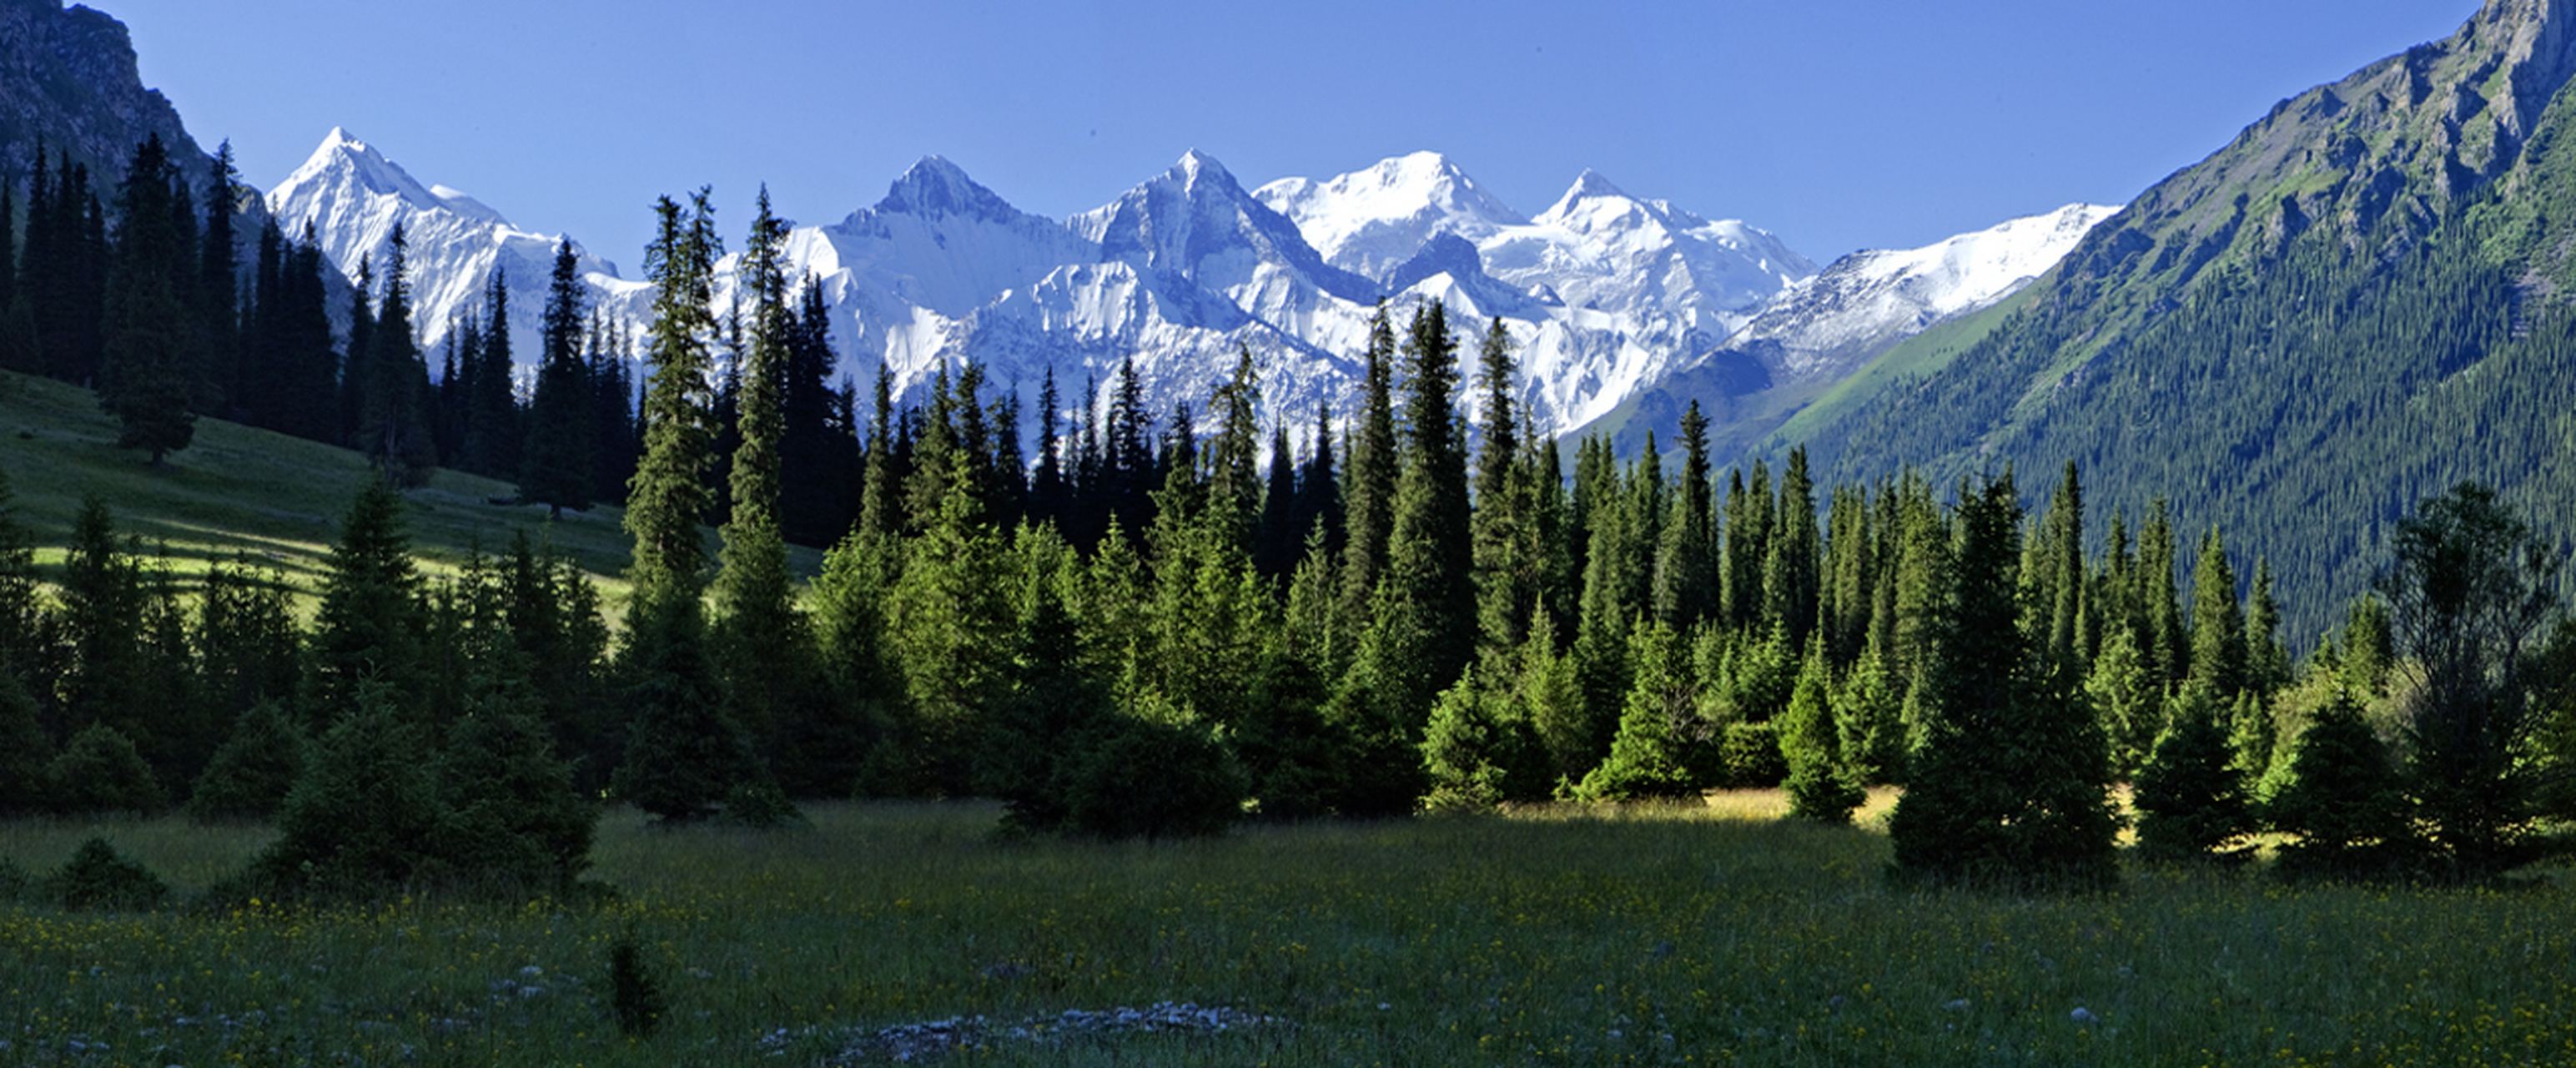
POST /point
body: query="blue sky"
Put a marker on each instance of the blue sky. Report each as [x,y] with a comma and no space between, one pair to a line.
[1836,124]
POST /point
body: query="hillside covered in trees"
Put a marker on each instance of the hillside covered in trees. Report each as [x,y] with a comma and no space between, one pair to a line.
[2360,301]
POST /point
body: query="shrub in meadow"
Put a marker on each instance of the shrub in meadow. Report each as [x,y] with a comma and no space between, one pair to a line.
[99,879]
[365,819]
[15,884]
[99,770]
[1152,778]
[1750,754]
[23,748]
[515,821]
[1468,749]
[635,998]
[249,776]
[761,806]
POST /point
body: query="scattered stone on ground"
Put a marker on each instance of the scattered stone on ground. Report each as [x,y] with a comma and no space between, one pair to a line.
[929,1040]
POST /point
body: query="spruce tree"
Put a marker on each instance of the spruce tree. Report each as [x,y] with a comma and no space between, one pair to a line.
[685,754]
[2163,642]
[2345,799]
[819,455]
[2217,625]
[1822,783]
[1368,489]
[2191,797]
[364,819]
[1051,707]
[2009,785]
[1470,747]
[492,435]
[100,771]
[19,348]
[557,460]
[1685,562]
[2127,701]
[22,613]
[517,826]
[1869,711]
[763,640]
[393,427]
[251,774]
[152,335]
[218,281]
[308,370]
[1427,578]
[1851,573]
[105,611]
[1647,758]
[1505,590]
[1791,566]
[249,649]
[1278,538]
[372,622]
[25,750]
[64,270]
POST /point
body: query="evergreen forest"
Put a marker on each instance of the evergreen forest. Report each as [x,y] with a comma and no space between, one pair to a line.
[1362,617]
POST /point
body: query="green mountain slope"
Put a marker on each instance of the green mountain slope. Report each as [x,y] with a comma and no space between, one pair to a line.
[2360,300]
[239,492]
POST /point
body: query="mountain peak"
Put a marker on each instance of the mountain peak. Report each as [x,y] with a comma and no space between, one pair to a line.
[1375,219]
[1196,166]
[935,187]
[343,153]
[1591,184]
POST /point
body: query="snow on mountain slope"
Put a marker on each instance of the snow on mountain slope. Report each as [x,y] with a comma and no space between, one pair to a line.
[1601,295]
[1870,300]
[353,197]
[1604,293]
[1823,329]
[1372,220]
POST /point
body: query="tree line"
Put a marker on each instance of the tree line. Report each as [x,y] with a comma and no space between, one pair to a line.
[1382,620]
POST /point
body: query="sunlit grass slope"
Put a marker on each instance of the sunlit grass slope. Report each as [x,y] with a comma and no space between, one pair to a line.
[275,499]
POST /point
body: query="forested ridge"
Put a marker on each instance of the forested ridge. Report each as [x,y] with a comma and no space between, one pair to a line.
[2306,366]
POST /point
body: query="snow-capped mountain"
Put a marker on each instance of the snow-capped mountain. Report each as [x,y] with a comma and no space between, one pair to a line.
[1603,294]
[353,197]
[1823,327]
[1372,220]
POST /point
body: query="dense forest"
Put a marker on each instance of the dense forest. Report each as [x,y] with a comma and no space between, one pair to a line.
[1362,618]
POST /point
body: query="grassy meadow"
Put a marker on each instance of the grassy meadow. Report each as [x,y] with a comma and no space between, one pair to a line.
[1701,935]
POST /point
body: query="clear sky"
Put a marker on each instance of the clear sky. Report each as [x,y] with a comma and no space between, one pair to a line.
[1836,124]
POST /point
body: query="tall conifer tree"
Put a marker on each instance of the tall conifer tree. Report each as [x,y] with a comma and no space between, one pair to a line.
[558,458]
[2010,784]
[151,330]
[1368,490]
[685,755]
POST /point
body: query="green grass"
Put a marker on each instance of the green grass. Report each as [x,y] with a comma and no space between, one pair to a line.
[1576,936]
[277,500]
